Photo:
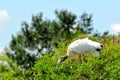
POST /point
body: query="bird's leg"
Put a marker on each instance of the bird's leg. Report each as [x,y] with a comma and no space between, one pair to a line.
[80,59]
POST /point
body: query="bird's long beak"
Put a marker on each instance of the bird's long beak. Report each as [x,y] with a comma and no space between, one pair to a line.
[61,59]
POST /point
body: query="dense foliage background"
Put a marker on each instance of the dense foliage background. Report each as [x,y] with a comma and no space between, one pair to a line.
[33,53]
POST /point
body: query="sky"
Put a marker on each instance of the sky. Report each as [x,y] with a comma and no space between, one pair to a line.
[106,14]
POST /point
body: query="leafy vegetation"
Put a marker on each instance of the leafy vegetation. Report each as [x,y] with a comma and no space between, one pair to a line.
[34,51]
[42,36]
[105,67]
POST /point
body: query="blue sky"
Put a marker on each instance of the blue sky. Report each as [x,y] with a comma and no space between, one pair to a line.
[106,14]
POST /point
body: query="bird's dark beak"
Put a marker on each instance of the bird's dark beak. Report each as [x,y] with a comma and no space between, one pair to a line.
[61,59]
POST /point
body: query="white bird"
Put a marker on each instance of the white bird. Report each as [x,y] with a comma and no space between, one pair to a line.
[81,46]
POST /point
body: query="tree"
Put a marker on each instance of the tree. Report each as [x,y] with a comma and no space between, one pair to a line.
[102,36]
[42,36]
[85,23]
[67,20]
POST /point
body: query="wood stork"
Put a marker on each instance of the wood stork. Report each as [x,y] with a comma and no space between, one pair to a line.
[81,46]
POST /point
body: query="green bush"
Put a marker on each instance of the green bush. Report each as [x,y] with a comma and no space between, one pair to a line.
[107,66]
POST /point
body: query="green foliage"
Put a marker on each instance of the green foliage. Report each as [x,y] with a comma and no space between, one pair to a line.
[85,23]
[9,69]
[103,36]
[42,36]
[66,21]
[105,67]
[49,39]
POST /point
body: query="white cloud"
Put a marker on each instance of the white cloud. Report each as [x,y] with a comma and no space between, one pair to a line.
[115,28]
[4,17]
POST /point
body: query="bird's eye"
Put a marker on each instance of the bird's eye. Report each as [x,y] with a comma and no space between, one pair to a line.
[101,46]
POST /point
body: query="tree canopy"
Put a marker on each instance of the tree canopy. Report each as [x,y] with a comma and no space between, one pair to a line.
[40,36]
